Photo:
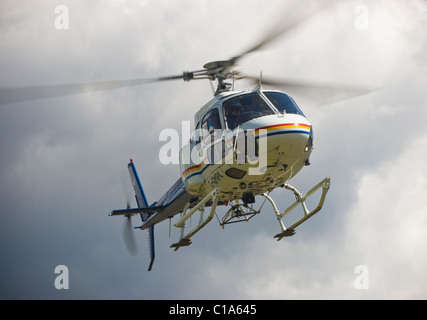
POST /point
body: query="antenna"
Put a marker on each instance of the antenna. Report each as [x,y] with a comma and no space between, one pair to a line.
[259,85]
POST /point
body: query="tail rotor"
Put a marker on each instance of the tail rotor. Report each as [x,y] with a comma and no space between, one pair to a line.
[128,231]
[129,236]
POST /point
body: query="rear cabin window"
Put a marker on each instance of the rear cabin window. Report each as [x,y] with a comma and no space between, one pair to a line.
[210,123]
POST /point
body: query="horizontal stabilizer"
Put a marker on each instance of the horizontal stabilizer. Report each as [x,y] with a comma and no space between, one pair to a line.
[124,212]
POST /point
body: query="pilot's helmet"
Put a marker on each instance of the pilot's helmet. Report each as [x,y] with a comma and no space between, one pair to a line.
[236,105]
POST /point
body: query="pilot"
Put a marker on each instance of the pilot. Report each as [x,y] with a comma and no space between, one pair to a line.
[234,113]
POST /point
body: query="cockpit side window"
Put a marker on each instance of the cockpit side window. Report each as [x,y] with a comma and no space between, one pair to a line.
[283,102]
[210,125]
[244,108]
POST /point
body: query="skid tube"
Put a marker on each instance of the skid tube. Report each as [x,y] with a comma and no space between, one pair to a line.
[300,199]
[185,240]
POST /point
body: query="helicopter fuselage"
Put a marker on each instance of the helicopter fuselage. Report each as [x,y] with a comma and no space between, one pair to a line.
[245,143]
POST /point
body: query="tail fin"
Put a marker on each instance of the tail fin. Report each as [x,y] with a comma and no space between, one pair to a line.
[141,200]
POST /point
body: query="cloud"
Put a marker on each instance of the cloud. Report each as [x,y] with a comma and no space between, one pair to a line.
[388,225]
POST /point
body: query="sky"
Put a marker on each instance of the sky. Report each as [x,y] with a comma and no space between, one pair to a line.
[62,159]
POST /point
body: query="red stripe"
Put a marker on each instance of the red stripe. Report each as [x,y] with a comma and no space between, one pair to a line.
[286,124]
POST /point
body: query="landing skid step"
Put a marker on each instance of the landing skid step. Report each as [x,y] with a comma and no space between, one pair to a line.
[182,243]
[286,233]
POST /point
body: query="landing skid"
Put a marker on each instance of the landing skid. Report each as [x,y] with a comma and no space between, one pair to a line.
[242,212]
[300,199]
[184,240]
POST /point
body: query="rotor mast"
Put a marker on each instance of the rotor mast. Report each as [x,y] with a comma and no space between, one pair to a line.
[215,70]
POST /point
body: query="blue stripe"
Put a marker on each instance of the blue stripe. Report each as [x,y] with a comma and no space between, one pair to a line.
[286,132]
[257,137]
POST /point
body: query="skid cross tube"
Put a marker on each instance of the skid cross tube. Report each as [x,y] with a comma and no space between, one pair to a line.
[185,240]
[300,199]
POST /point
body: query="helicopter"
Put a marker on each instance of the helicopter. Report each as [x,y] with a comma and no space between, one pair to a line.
[225,171]
[245,144]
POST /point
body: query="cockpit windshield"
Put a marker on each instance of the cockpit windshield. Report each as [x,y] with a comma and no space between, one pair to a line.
[283,102]
[244,108]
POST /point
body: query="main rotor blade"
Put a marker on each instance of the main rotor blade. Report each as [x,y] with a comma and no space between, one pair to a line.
[294,17]
[324,93]
[19,94]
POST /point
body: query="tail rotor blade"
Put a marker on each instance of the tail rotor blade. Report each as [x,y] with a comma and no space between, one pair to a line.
[128,232]
[127,189]
[129,236]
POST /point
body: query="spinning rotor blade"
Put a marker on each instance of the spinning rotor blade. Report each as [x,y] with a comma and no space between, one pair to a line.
[128,232]
[129,236]
[127,187]
[19,94]
[222,69]
[295,17]
[324,93]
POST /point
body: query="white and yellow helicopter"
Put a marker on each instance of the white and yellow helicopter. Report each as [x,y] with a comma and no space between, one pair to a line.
[245,144]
